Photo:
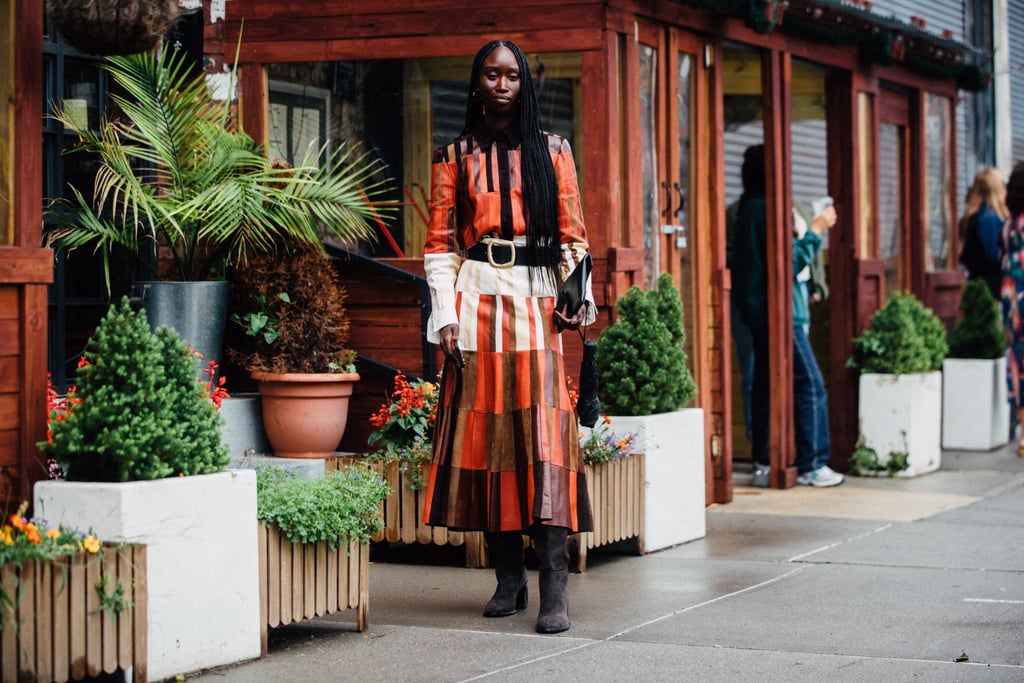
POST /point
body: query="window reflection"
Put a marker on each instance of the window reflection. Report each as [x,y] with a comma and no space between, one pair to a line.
[890,202]
[649,162]
[399,111]
[938,142]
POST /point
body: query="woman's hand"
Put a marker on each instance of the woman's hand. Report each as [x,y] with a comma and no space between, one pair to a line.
[563,322]
[449,343]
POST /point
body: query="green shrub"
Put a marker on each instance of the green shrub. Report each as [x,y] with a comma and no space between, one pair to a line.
[641,363]
[904,337]
[336,508]
[138,411]
[979,334]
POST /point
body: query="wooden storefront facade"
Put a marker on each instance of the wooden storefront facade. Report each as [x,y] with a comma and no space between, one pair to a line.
[649,115]
[654,95]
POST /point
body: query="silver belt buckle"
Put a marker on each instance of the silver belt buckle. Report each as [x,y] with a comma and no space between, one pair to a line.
[490,242]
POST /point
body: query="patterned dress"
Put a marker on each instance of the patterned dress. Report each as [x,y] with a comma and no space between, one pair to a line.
[1013,306]
[512,456]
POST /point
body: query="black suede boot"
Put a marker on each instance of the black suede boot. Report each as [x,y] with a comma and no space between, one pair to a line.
[510,569]
[553,555]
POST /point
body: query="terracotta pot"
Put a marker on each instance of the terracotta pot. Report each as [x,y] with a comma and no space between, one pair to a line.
[305,415]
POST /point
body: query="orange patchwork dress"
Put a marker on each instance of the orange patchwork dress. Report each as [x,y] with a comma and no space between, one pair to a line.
[511,455]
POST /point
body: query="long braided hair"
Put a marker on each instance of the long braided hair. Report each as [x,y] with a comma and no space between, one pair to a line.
[540,195]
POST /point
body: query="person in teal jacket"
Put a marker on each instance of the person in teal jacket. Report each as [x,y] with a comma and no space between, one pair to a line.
[750,295]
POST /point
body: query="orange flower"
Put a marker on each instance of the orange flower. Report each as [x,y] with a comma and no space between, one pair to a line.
[91,544]
[52,534]
[18,522]
[32,533]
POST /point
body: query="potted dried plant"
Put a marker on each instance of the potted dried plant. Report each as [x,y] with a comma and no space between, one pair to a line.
[291,307]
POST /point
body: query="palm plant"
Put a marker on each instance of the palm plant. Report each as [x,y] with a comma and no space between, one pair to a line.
[174,171]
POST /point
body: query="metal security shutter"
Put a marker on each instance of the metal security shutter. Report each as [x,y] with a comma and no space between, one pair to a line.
[940,15]
[448,108]
[1016,16]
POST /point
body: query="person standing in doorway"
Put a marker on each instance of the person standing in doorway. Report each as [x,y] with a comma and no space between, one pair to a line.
[750,279]
[506,227]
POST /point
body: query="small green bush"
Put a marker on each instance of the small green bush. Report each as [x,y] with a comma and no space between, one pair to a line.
[641,363]
[336,508]
[979,334]
[139,410]
[905,337]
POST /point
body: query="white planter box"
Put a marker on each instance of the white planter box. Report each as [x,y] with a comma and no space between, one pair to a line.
[975,414]
[673,446]
[903,413]
[202,559]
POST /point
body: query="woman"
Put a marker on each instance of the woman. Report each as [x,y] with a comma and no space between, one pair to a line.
[1013,292]
[980,228]
[506,227]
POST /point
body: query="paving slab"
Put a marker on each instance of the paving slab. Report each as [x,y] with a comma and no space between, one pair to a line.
[898,613]
[877,580]
[618,661]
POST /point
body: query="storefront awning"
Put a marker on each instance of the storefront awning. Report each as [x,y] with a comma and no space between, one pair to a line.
[880,39]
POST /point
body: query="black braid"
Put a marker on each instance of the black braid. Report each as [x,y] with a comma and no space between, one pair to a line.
[540,194]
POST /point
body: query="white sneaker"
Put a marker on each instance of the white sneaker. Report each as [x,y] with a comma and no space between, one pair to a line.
[823,476]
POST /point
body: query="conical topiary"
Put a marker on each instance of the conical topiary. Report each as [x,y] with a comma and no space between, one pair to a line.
[138,411]
[979,334]
[904,337]
[641,363]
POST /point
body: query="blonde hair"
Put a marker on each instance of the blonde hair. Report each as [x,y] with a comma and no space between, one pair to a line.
[987,189]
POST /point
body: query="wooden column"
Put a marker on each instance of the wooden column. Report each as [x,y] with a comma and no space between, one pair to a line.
[776,78]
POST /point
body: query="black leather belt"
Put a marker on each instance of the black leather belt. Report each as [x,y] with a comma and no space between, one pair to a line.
[504,255]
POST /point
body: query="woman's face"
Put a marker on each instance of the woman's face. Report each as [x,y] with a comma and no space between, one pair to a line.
[499,82]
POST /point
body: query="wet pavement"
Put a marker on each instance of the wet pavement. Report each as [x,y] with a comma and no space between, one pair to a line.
[876,580]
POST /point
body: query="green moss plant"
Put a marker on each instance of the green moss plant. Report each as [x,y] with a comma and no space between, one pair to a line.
[137,411]
[905,337]
[641,363]
[337,508]
[979,334]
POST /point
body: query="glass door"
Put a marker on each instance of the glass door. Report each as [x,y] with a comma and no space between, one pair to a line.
[671,85]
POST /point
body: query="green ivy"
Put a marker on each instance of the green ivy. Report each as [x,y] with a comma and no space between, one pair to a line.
[979,334]
[904,337]
[641,363]
[138,410]
[336,508]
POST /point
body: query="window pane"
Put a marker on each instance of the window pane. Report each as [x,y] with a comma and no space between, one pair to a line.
[400,110]
[938,142]
[649,162]
[890,202]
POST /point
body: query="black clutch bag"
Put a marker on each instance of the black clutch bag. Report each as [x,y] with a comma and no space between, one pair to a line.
[574,290]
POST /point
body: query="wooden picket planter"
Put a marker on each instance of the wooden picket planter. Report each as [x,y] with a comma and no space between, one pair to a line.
[53,627]
[302,581]
[616,491]
[403,511]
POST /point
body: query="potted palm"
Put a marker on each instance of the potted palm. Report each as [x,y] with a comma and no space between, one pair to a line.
[975,413]
[291,308]
[139,443]
[643,384]
[176,174]
[900,399]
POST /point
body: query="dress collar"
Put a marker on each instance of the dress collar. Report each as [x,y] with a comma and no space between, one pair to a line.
[484,134]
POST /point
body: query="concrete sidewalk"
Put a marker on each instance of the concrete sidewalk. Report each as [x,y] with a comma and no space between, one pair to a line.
[876,580]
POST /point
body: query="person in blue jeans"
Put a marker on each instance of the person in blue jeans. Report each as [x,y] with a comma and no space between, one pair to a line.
[750,287]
